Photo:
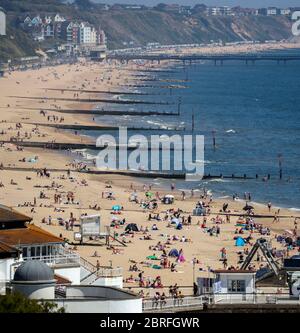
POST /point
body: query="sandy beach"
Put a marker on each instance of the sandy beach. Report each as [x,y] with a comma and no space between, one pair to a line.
[45,198]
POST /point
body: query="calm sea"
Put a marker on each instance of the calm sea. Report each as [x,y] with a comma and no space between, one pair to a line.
[255,113]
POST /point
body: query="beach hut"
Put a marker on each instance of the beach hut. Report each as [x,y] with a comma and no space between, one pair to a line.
[240,241]
[174,253]
[131,227]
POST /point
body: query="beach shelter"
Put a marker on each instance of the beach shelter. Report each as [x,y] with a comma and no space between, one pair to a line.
[174,253]
[131,227]
[240,241]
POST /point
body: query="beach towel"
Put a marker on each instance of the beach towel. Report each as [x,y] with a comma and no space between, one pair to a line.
[152,258]
[156,267]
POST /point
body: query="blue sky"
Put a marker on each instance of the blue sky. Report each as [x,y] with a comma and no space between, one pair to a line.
[243,3]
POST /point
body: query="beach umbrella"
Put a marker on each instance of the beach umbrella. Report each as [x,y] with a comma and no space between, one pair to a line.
[169,196]
[116,207]
[175,220]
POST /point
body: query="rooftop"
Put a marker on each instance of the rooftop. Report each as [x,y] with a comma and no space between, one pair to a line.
[8,214]
[7,251]
[30,235]
[33,271]
[234,271]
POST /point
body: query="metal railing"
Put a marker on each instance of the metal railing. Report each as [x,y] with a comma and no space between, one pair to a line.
[198,301]
[102,271]
[59,259]
[171,302]
[255,299]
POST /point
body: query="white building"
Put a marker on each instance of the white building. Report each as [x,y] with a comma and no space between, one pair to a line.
[87,33]
[233,285]
[58,18]
[285,12]
[2,22]
[21,242]
[272,11]
[37,281]
[219,11]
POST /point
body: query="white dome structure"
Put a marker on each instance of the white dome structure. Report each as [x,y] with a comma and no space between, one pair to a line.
[35,280]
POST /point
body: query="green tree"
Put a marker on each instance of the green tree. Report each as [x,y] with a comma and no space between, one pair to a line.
[17,303]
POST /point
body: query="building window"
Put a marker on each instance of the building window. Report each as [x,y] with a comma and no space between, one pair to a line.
[237,286]
[25,253]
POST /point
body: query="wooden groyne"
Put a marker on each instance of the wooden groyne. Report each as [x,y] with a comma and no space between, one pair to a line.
[151,70]
[93,100]
[109,112]
[155,86]
[132,173]
[78,127]
[162,80]
[75,145]
[108,92]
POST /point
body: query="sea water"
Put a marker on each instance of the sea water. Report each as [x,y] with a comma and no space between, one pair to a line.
[254,111]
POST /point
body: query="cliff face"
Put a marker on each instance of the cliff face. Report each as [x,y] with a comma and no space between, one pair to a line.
[154,26]
[141,26]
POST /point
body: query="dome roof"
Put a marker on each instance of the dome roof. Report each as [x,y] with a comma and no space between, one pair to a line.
[33,270]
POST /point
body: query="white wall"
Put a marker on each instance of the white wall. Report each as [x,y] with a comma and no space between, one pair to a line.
[101,306]
[70,273]
[2,24]
[5,268]
[35,291]
[110,282]
[96,299]
[4,273]
[250,286]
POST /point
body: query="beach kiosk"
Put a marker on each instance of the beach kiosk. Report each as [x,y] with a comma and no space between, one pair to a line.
[234,286]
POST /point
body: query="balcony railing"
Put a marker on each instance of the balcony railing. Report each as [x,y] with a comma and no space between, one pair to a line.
[171,302]
[255,299]
[102,271]
[59,259]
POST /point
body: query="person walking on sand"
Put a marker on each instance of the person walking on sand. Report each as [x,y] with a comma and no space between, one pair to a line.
[269,206]
[183,195]
[98,265]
